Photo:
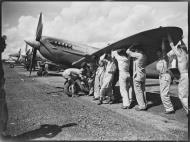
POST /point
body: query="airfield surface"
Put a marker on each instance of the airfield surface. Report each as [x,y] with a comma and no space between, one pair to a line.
[39,110]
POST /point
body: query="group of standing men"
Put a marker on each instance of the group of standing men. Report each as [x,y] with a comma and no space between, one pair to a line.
[121,58]
[101,76]
[99,79]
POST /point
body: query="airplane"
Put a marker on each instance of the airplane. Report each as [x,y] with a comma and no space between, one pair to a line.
[72,54]
[15,56]
[13,59]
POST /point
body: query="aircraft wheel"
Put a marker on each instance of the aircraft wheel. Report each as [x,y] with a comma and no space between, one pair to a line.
[11,65]
[39,73]
[72,88]
[44,73]
[67,89]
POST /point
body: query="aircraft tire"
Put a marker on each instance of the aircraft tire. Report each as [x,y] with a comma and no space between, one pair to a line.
[67,89]
[39,73]
[11,65]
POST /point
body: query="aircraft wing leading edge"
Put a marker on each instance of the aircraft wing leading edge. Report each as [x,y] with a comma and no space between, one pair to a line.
[149,40]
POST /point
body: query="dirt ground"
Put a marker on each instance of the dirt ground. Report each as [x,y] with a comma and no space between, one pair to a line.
[39,110]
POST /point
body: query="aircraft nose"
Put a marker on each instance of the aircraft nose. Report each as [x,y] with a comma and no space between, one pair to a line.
[34,44]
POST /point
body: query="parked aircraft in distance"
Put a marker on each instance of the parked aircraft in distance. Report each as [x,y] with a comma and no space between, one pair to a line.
[69,53]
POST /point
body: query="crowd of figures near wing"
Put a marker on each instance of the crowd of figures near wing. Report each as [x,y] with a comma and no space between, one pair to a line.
[99,77]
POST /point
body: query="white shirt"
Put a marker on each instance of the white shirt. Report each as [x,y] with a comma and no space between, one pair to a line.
[162,66]
[123,62]
[69,73]
[182,58]
[139,62]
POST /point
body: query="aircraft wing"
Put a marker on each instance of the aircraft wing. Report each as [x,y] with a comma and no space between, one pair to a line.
[149,40]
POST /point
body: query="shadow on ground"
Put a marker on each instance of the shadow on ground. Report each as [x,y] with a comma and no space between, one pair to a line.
[46,130]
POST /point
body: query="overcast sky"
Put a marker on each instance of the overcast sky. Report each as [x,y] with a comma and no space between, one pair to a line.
[91,23]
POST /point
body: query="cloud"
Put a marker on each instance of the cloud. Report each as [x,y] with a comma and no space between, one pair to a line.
[98,23]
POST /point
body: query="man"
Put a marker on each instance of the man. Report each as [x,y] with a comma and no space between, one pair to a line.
[99,78]
[124,77]
[139,76]
[180,50]
[74,79]
[93,67]
[164,79]
[43,70]
[3,103]
[91,79]
[116,96]
[106,87]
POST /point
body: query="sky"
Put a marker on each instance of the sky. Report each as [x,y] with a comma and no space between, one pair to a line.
[92,23]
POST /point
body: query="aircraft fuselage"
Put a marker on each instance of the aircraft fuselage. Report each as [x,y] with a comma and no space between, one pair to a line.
[62,51]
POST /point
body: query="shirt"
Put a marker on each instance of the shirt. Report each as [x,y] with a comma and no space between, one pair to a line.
[139,61]
[162,66]
[139,64]
[108,75]
[72,73]
[123,62]
[182,58]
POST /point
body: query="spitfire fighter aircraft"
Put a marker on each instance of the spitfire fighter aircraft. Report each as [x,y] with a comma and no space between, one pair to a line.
[69,53]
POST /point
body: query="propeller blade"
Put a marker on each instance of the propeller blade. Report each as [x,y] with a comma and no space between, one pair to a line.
[26,48]
[19,54]
[28,52]
[39,28]
[32,64]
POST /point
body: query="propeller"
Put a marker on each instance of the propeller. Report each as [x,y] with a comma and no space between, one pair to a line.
[26,48]
[32,63]
[19,54]
[35,44]
[27,52]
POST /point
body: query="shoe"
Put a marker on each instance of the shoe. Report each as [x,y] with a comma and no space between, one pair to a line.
[125,107]
[140,109]
[106,102]
[75,95]
[81,93]
[68,94]
[99,102]
[90,93]
[169,112]
[95,99]
[187,115]
[111,102]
